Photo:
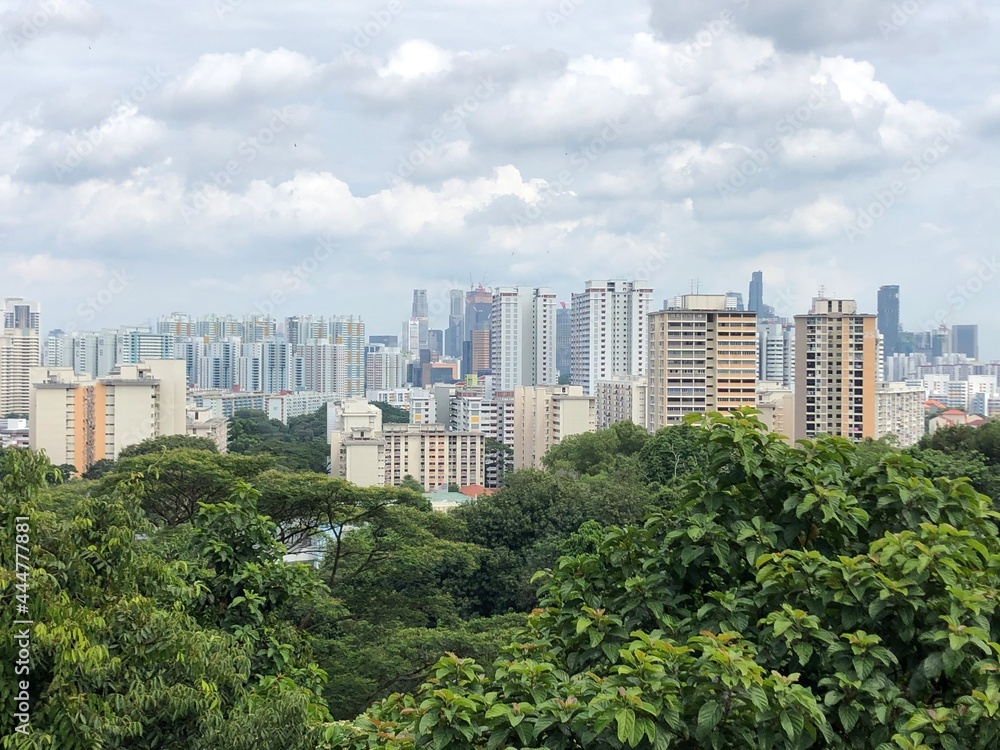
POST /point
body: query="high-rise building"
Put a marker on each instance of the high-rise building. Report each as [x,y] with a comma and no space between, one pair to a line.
[523,337]
[755,300]
[390,342]
[734,301]
[836,363]
[420,308]
[78,421]
[899,413]
[20,351]
[433,456]
[455,334]
[385,368]
[776,404]
[965,340]
[888,318]
[478,307]
[137,345]
[776,347]
[21,314]
[703,358]
[609,322]
[546,415]
[435,341]
[621,398]
[564,340]
[357,447]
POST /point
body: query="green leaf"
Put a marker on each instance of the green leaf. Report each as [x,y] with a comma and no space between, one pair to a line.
[625,719]
[709,716]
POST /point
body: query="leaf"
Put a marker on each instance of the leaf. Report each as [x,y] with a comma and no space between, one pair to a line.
[625,719]
[709,717]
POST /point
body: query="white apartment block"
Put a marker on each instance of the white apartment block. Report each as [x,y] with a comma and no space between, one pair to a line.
[286,406]
[227,403]
[399,397]
[523,337]
[423,407]
[609,323]
[433,456]
[776,353]
[621,399]
[470,412]
[78,421]
[900,413]
[357,447]
[703,358]
[202,422]
[544,416]
[19,353]
[385,368]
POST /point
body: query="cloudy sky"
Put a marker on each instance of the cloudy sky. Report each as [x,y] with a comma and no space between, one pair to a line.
[241,155]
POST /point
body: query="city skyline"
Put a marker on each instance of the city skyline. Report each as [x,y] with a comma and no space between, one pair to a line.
[240,156]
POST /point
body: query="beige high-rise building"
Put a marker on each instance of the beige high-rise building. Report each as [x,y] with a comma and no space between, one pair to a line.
[777,407]
[836,369]
[433,456]
[357,447]
[20,351]
[619,399]
[703,358]
[78,421]
[545,415]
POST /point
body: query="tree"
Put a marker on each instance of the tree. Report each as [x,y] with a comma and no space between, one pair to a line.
[168,443]
[392,414]
[300,445]
[811,596]
[597,452]
[122,654]
[412,484]
[99,468]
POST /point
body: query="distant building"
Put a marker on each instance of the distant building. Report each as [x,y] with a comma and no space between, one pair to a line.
[776,353]
[433,456]
[78,421]
[610,323]
[523,337]
[624,398]
[755,300]
[776,403]
[546,415]
[888,318]
[703,358]
[965,340]
[357,447]
[202,422]
[564,339]
[836,363]
[899,413]
[20,350]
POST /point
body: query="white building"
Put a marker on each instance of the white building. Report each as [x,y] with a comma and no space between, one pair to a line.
[471,412]
[544,416]
[385,368]
[523,337]
[399,397]
[776,403]
[19,353]
[202,422]
[776,353]
[900,413]
[620,399]
[357,447]
[609,331]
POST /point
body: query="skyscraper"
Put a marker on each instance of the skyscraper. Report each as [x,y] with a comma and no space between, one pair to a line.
[755,301]
[564,339]
[455,334]
[836,363]
[888,318]
[523,337]
[776,347]
[420,308]
[965,340]
[609,322]
[20,313]
[702,358]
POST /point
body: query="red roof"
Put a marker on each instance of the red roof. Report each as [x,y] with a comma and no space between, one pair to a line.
[475,490]
[953,412]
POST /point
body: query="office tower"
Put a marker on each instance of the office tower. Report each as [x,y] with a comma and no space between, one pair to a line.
[888,318]
[455,334]
[20,314]
[703,358]
[564,340]
[523,337]
[940,342]
[478,307]
[899,413]
[776,350]
[755,300]
[420,307]
[545,415]
[734,301]
[389,342]
[835,371]
[621,398]
[435,341]
[609,322]
[476,353]
[78,421]
[965,340]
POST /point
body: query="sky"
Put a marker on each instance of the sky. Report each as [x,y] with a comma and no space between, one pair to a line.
[239,156]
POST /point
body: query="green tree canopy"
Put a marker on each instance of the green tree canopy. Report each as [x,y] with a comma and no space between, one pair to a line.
[811,596]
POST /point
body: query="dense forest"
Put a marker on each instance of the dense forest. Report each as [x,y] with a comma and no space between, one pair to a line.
[706,586]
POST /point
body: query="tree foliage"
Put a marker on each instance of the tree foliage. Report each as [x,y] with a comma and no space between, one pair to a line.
[811,596]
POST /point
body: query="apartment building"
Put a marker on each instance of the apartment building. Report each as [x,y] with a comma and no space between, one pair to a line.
[544,416]
[621,398]
[433,456]
[523,337]
[899,413]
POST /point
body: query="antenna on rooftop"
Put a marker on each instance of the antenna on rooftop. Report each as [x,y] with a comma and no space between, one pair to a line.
[695,286]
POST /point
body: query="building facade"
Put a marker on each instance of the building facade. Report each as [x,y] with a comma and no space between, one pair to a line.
[624,398]
[544,416]
[523,337]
